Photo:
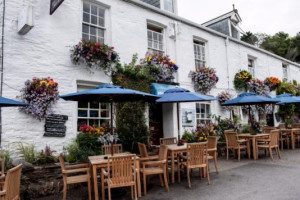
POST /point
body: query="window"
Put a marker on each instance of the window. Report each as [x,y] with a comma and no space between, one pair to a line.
[285,71]
[251,67]
[203,113]
[93,22]
[155,39]
[155,3]
[199,52]
[92,113]
[168,5]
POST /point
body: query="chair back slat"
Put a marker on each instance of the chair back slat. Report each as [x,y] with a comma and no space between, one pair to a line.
[196,154]
[268,129]
[231,138]
[12,183]
[106,149]
[143,150]
[163,152]
[212,143]
[121,172]
[168,141]
[274,137]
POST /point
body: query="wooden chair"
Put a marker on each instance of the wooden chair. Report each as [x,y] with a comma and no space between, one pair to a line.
[168,141]
[156,167]
[68,178]
[121,173]
[11,186]
[270,143]
[281,125]
[212,143]
[144,152]
[236,144]
[196,158]
[284,138]
[106,149]
[296,125]
[268,129]
[2,175]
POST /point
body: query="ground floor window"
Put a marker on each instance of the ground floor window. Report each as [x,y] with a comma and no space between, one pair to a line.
[203,113]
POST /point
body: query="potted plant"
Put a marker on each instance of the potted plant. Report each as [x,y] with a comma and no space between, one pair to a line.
[241,79]
[187,137]
[289,123]
[255,128]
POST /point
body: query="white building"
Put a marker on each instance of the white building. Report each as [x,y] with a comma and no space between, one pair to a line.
[127,25]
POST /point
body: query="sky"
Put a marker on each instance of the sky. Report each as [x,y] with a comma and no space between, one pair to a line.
[258,16]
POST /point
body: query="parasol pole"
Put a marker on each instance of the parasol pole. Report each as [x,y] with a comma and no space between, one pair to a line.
[178,120]
[111,127]
[250,129]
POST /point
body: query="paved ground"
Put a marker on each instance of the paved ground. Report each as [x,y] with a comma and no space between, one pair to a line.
[245,180]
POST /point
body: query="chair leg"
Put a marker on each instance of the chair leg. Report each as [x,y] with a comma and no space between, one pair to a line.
[215,160]
[166,181]
[109,194]
[278,152]
[227,153]
[239,154]
[65,191]
[161,180]
[207,174]
[145,185]
[271,155]
[188,177]
[89,189]
[178,171]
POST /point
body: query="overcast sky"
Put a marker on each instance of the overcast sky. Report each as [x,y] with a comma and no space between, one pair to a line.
[258,16]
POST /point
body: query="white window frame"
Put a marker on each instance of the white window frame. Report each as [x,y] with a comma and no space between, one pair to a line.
[200,53]
[152,32]
[162,2]
[206,117]
[85,84]
[285,71]
[104,28]
[251,69]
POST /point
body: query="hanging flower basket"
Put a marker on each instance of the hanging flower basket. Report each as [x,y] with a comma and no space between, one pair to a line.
[204,79]
[272,82]
[94,55]
[160,67]
[40,94]
[223,97]
[241,79]
[257,86]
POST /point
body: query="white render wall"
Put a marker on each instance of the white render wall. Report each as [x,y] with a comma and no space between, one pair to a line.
[44,52]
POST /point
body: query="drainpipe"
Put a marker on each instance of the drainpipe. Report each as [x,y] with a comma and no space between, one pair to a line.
[1,69]
[227,61]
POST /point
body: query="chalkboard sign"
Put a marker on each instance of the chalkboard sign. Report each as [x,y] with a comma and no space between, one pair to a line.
[55,126]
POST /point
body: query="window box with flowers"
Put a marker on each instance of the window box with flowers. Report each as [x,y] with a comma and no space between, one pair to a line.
[241,79]
[94,55]
[40,94]
[204,79]
[272,82]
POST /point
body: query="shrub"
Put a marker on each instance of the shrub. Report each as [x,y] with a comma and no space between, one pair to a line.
[72,152]
[6,155]
[27,152]
[45,156]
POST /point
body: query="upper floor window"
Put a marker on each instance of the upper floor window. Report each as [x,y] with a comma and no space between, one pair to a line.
[285,71]
[93,22]
[155,39]
[168,5]
[251,68]
[203,113]
[155,3]
[199,52]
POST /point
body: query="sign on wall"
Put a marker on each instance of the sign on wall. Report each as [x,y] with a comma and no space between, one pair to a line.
[188,117]
[54,4]
[55,126]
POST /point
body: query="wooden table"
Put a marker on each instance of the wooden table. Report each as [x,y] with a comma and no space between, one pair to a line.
[253,138]
[292,133]
[97,162]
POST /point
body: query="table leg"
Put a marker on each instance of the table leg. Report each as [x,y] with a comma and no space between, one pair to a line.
[254,148]
[138,178]
[95,182]
[293,140]
[172,167]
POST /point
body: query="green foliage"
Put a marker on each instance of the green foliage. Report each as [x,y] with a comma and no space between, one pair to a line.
[6,155]
[27,152]
[72,152]
[45,157]
[223,125]
[250,38]
[289,121]
[241,79]
[187,135]
[286,87]
[246,128]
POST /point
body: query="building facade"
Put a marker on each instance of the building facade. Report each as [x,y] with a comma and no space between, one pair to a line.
[130,26]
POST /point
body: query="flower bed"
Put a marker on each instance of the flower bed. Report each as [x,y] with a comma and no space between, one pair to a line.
[94,54]
[204,79]
[40,94]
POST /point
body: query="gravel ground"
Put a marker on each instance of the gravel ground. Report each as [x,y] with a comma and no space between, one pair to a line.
[247,180]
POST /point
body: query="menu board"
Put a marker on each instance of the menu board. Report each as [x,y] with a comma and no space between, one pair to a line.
[55,126]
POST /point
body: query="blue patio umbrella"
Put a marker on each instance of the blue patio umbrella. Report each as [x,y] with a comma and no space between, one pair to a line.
[287,99]
[110,93]
[177,95]
[5,102]
[248,98]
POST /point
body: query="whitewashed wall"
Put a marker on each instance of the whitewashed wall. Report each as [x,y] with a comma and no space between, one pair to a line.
[44,52]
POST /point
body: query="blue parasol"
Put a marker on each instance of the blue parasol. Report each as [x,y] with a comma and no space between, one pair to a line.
[5,102]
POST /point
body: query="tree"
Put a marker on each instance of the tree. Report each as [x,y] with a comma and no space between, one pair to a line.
[250,38]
